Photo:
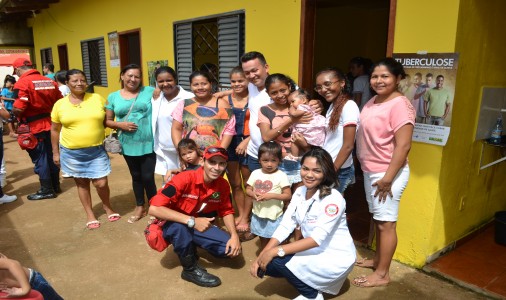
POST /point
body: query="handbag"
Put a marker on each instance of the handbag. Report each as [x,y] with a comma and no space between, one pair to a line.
[154,235]
[111,142]
[26,139]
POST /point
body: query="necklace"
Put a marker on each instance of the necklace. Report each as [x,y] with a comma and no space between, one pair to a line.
[78,104]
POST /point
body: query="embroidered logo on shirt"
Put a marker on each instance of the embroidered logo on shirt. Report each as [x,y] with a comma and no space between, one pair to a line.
[331,210]
[215,195]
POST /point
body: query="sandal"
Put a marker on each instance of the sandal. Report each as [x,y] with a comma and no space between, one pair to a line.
[113,217]
[93,224]
[247,236]
[132,219]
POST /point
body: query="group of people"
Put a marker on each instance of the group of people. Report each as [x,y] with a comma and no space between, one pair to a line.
[285,193]
[267,133]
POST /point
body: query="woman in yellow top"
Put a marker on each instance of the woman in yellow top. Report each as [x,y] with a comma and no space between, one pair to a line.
[77,134]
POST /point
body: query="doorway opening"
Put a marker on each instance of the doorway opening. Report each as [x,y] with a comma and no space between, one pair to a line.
[332,33]
[130,47]
[63,57]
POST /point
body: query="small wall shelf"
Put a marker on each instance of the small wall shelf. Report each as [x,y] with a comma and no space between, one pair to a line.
[502,147]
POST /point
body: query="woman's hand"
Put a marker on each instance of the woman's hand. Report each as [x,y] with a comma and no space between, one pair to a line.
[56,158]
[299,140]
[383,189]
[253,270]
[316,105]
[156,92]
[263,260]
[128,126]
[242,147]
[303,118]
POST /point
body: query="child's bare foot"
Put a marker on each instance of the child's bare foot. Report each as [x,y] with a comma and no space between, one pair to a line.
[243,227]
[373,280]
[13,135]
[365,263]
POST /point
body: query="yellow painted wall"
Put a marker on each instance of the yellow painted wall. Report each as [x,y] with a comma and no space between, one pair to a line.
[272,27]
[481,43]
[431,215]
[433,30]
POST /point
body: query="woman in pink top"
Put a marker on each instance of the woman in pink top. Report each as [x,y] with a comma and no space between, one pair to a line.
[383,143]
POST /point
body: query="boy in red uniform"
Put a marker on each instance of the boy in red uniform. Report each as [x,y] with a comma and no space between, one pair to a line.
[181,202]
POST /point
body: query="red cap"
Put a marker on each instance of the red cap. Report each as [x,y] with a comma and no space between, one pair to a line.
[212,151]
[19,62]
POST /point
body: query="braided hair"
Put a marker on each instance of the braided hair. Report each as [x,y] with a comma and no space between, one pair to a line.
[342,98]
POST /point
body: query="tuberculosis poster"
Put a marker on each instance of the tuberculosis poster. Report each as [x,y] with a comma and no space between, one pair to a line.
[430,86]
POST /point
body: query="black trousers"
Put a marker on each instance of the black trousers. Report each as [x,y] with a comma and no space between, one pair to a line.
[142,169]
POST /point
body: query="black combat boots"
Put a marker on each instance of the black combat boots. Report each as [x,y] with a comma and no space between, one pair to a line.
[46,191]
[192,272]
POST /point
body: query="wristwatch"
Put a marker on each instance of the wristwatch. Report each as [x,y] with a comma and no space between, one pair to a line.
[281,251]
[191,222]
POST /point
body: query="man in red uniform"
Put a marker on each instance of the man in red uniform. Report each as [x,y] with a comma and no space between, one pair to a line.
[182,200]
[35,96]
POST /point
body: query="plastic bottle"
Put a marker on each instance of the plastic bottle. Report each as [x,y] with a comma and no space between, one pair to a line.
[495,137]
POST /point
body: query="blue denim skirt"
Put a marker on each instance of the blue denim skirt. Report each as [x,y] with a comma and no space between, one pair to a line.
[291,169]
[90,162]
[264,227]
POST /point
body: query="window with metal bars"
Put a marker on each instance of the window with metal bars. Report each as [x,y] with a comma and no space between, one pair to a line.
[46,56]
[213,44]
[94,64]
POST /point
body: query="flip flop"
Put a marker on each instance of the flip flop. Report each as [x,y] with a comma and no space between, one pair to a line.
[247,236]
[113,217]
[132,219]
[93,224]
[362,282]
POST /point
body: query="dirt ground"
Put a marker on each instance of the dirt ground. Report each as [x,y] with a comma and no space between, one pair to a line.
[114,261]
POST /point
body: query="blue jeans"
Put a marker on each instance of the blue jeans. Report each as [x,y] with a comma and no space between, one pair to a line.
[40,284]
[42,157]
[182,238]
[277,268]
[345,176]
[253,163]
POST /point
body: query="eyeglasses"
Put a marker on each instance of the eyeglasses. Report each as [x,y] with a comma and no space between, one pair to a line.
[213,150]
[326,84]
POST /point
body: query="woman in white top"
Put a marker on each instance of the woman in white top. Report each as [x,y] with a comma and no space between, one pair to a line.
[167,157]
[342,120]
[323,258]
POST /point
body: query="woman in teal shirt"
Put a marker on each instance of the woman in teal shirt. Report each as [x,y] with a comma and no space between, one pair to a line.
[131,106]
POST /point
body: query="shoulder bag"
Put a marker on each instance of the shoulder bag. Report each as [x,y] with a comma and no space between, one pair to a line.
[111,142]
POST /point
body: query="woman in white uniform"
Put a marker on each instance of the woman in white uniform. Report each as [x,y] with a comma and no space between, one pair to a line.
[167,157]
[323,258]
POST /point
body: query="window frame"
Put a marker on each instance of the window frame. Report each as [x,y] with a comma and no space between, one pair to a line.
[102,63]
[227,59]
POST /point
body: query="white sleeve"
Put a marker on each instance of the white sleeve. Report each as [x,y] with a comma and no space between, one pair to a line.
[350,113]
[288,224]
